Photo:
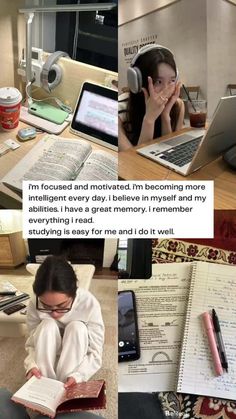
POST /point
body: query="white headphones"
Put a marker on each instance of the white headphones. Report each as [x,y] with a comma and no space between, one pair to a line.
[51,74]
[134,75]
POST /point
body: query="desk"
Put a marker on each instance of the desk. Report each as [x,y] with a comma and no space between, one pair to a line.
[8,198]
[133,166]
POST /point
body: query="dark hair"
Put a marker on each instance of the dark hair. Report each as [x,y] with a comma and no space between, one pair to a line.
[55,274]
[148,64]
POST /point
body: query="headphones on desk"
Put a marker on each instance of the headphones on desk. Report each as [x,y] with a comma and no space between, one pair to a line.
[134,75]
[51,74]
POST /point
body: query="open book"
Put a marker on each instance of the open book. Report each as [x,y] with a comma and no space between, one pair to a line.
[58,158]
[175,354]
[49,396]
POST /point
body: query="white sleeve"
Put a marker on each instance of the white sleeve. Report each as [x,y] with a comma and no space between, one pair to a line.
[92,362]
[32,322]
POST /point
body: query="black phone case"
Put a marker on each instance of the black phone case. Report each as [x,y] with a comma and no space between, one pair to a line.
[14,309]
[135,356]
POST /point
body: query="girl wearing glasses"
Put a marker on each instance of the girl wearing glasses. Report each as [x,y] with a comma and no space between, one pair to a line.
[66,330]
[151,108]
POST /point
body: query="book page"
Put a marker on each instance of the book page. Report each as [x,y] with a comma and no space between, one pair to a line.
[52,158]
[213,286]
[99,166]
[161,308]
[42,391]
[61,161]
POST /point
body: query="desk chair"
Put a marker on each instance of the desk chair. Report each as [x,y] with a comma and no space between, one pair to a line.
[193,92]
[231,87]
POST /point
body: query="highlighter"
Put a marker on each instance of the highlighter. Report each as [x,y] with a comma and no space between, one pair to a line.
[209,328]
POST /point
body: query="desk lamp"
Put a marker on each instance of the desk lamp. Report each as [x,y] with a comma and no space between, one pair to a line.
[29,16]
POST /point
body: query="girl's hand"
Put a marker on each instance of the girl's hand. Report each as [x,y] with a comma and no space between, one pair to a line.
[172,99]
[69,382]
[156,102]
[35,372]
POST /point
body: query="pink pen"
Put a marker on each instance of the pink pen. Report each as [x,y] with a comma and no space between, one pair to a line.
[207,321]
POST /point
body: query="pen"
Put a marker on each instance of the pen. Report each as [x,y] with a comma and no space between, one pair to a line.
[207,321]
[221,346]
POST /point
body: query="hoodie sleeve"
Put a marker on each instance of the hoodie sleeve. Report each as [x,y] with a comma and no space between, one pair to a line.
[32,322]
[93,359]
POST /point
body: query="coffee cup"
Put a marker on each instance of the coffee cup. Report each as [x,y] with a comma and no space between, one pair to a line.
[10,103]
[197,110]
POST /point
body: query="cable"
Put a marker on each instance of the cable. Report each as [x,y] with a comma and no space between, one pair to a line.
[58,101]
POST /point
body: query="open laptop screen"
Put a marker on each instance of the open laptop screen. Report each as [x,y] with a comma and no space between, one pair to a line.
[95,116]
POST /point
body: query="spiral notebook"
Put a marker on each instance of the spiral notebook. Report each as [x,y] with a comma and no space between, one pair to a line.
[175,355]
[212,286]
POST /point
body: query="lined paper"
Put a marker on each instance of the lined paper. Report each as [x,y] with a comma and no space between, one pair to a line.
[212,286]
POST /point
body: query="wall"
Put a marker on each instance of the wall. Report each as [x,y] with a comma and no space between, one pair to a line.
[221,45]
[10,220]
[127,13]
[12,40]
[180,27]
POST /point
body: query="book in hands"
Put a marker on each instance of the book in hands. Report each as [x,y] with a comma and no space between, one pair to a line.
[56,158]
[49,397]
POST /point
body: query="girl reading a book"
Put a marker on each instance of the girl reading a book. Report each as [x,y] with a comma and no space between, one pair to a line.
[66,330]
[152,107]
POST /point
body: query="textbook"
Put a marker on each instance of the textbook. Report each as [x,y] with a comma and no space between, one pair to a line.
[49,397]
[175,354]
[57,158]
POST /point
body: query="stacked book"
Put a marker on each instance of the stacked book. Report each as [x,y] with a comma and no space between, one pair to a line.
[9,295]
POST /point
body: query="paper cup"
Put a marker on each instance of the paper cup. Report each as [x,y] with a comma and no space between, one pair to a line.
[10,102]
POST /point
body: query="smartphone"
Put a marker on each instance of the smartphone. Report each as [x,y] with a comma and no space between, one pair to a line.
[13,309]
[128,336]
[49,112]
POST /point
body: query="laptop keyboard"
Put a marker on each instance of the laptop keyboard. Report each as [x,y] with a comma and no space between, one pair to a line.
[181,154]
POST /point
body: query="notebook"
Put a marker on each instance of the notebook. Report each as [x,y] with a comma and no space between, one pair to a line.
[190,151]
[175,355]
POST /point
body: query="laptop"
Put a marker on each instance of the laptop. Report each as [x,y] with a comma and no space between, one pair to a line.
[188,152]
[95,116]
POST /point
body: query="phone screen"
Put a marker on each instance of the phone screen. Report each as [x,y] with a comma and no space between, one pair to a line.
[128,340]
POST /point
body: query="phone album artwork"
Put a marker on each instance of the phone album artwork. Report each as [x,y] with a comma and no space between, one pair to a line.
[95,116]
[128,337]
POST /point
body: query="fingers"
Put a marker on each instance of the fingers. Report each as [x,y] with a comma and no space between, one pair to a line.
[69,382]
[35,372]
[151,87]
[146,95]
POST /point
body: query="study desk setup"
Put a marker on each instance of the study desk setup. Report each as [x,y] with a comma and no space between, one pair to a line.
[85,137]
[134,166]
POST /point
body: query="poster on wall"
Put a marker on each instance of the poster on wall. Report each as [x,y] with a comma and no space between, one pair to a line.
[130,48]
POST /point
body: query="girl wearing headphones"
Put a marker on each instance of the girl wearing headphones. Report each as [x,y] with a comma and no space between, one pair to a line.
[152,107]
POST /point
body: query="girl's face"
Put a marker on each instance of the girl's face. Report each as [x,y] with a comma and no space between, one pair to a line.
[166,77]
[56,304]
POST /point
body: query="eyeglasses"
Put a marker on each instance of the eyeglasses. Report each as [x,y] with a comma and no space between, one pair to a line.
[50,310]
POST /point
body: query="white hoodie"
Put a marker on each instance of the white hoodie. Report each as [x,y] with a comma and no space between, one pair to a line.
[86,309]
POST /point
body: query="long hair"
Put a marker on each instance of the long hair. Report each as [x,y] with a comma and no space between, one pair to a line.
[148,64]
[55,274]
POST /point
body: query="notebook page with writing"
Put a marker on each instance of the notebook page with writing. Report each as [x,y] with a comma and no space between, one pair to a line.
[161,307]
[212,286]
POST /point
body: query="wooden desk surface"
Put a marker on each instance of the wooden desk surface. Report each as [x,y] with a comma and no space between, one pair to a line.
[133,166]
[8,198]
